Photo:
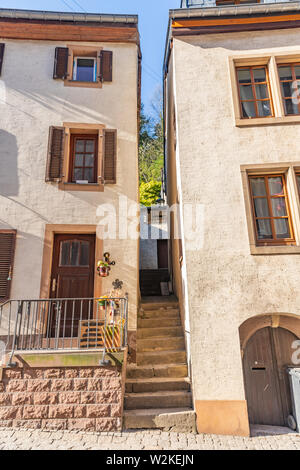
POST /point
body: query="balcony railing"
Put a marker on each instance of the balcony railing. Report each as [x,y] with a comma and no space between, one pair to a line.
[64,324]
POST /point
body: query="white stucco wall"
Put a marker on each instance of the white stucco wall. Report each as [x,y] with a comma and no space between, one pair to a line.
[227,285]
[30,102]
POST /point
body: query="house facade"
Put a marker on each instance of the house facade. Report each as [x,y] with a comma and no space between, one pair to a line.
[69,106]
[232,156]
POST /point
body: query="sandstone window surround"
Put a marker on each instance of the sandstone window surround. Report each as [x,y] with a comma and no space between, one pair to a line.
[271,63]
[67,61]
[289,172]
[62,156]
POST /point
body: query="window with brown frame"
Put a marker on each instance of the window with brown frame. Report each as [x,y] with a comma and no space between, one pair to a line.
[84,156]
[7,252]
[273,225]
[254,92]
[289,77]
[236,2]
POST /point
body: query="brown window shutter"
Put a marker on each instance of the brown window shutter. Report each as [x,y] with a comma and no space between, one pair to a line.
[7,251]
[106,58]
[61,62]
[55,159]
[2,46]
[110,156]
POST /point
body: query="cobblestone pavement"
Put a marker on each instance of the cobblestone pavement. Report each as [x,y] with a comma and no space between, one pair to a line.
[12,439]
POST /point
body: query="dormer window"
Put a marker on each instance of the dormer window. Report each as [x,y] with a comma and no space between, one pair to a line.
[85,69]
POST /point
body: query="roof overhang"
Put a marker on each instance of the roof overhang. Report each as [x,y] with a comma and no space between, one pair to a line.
[59,26]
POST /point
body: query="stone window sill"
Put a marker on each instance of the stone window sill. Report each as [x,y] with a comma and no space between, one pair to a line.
[81,187]
[275,250]
[267,121]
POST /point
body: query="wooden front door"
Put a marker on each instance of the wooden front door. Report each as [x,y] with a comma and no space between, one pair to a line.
[266,357]
[72,277]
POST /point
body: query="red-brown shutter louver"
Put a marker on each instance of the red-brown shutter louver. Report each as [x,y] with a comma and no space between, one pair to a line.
[106,59]
[2,46]
[110,156]
[7,251]
[61,63]
[55,158]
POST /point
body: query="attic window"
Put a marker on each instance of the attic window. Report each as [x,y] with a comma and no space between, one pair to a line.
[85,69]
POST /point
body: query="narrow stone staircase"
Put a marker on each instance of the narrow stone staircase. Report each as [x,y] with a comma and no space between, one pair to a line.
[158,392]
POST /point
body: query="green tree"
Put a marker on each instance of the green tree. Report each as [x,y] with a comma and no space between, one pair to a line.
[149,192]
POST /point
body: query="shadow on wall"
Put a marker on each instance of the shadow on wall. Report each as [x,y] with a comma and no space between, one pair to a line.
[9,180]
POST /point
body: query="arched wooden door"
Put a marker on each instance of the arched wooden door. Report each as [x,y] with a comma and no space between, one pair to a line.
[268,353]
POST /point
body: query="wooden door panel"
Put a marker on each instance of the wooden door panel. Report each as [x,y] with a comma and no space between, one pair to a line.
[261,383]
[73,275]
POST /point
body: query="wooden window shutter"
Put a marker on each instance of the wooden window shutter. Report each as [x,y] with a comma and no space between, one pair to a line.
[110,156]
[7,251]
[2,46]
[61,62]
[55,159]
[106,58]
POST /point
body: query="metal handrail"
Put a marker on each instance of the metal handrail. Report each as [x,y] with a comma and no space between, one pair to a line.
[64,324]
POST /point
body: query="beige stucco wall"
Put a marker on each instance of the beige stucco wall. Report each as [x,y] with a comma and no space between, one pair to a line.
[30,102]
[227,285]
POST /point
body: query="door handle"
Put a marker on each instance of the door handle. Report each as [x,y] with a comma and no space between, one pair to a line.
[53,284]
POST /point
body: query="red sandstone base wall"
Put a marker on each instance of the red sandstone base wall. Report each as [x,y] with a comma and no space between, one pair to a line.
[77,398]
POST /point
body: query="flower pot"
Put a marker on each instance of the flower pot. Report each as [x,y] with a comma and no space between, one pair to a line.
[103,271]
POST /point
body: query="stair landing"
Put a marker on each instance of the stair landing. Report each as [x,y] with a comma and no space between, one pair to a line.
[158,390]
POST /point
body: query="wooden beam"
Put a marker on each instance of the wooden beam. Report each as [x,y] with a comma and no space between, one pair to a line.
[234,21]
[68,32]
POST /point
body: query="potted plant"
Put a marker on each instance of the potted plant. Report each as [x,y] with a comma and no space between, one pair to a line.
[103,268]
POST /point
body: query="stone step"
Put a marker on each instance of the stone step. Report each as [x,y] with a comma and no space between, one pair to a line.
[158,332]
[158,322]
[167,399]
[159,304]
[160,344]
[156,384]
[161,357]
[181,420]
[147,372]
[159,313]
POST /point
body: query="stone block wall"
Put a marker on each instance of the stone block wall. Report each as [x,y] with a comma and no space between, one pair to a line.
[77,398]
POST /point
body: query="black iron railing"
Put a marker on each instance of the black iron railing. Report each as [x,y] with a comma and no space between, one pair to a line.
[64,324]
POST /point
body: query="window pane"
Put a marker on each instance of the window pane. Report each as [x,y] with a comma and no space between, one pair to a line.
[290,107]
[246,92]
[297,71]
[258,186]
[264,108]
[261,91]
[244,76]
[74,253]
[90,146]
[276,186]
[84,254]
[79,159]
[79,146]
[85,70]
[298,182]
[259,75]
[282,228]
[89,175]
[261,207]
[78,174]
[64,253]
[279,207]
[285,73]
[248,109]
[264,229]
[287,89]
[89,160]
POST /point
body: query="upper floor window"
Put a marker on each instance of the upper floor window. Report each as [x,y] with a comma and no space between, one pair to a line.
[254,92]
[271,210]
[85,69]
[289,76]
[84,151]
[236,2]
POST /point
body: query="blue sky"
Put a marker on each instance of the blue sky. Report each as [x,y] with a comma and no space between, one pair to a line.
[153,21]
